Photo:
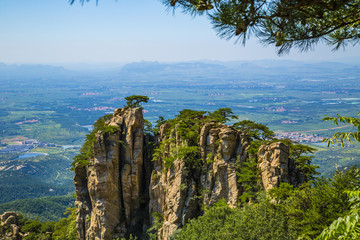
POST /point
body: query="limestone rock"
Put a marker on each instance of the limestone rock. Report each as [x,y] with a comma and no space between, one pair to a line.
[276,166]
[223,148]
[110,189]
[178,192]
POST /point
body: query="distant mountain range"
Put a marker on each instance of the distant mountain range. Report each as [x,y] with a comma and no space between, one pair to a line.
[31,70]
[200,68]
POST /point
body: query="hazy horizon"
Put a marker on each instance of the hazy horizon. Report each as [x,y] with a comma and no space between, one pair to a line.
[104,66]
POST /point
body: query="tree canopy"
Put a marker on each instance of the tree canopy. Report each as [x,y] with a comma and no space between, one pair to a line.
[223,115]
[135,100]
[341,136]
[285,24]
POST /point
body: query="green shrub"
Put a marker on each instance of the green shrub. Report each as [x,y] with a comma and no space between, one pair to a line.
[257,221]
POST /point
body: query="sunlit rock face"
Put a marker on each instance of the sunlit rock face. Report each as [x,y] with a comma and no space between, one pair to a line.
[121,189]
[110,190]
[179,192]
[276,166]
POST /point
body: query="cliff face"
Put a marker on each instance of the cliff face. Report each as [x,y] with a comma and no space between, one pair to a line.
[110,189]
[121,188]
[276,166]
[179,192]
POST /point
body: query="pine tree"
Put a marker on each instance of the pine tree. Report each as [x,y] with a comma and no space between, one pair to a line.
[285,24]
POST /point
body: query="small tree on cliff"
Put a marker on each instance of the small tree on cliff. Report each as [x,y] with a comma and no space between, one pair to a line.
[223,115]
[135,100]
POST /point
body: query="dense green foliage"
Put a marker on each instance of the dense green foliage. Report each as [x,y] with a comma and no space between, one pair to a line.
[341,136]
[285,24]
[298,212]
[258,221]
[313,206]
[36,177]
[64,229]
[256,131]
[44,209]
[135,100]
[27,186]
[36,229]
[61,230]
[222,115]
[187,125]
[348,226]
[260,134]
[157,224]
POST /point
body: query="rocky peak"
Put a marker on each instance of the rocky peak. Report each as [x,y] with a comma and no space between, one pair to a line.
[276,166]
[110,188]
[123,187]
[178,193]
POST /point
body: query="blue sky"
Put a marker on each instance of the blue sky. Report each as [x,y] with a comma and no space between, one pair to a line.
[53,31]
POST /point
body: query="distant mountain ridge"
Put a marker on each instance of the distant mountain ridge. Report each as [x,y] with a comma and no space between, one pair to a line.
[45,70]
[181,67]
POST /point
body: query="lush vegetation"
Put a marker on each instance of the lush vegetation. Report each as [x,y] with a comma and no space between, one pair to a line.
[183,135]
[284,24]
[135,100]
[348,226]
[61,230]
[44,209]
[187,126]
[258,221]
[35,177]
[287,213]
[344,136]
